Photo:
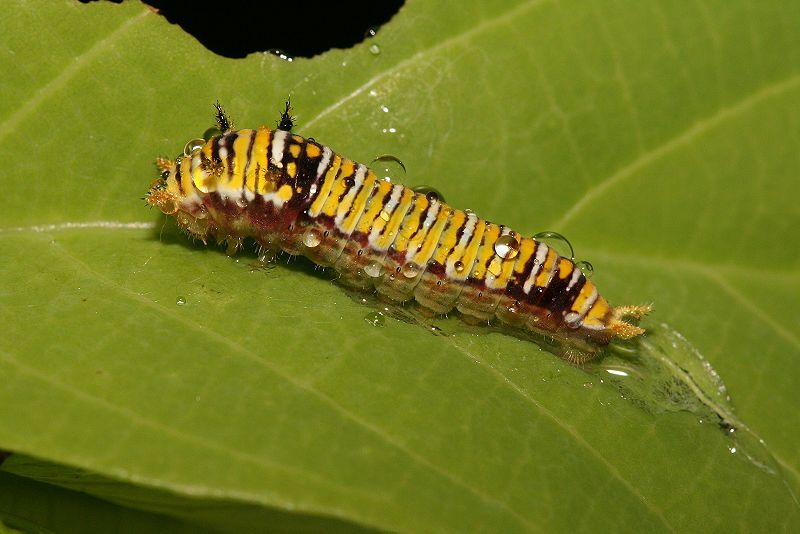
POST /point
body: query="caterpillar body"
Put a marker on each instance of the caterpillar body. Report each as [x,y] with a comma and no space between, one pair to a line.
[294,194]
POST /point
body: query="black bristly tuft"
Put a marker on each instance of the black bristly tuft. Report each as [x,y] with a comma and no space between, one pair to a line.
[223,122]
[286,122]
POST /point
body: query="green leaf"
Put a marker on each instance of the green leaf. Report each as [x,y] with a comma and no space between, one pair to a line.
[662,138]
[34,507]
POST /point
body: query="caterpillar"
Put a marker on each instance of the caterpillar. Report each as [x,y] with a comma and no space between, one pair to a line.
[294,194]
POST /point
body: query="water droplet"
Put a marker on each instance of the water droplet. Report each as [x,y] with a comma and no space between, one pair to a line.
[373,93]
[430,193]
[586,267]
[371,32]
[507,247]
[511,309]
[557,241]
[193,146]
[385,109]
[281,54]
[374,49]
[201,212]
[180,301]
[573,320]
[267,256]
[411,270]
[211,132]
[389,130]
[168,206]
[459,266]
[241,202]
[388,167]
[375,319]
[312,237]
[373,269]
[587,385]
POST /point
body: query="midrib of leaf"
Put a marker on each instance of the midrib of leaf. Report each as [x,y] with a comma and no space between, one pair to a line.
[237,348]
[683,138]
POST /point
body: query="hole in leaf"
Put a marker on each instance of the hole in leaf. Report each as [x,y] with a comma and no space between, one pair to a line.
[296,29]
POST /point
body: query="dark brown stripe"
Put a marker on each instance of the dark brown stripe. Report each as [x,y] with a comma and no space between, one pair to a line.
[249,158]
[230,139]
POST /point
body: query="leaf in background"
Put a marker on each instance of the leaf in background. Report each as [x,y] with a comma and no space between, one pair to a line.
[662,138]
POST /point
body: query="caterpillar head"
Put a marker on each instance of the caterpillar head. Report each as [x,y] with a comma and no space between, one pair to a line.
[167,195]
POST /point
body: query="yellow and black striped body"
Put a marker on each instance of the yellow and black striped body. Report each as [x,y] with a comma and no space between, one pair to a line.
[294,194]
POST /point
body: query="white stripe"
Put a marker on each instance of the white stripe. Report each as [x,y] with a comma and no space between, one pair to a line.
[433,211]
[541,254]
[576,273]
[587,304]
[278,144]
[358,181]
[469,229]
[323,164]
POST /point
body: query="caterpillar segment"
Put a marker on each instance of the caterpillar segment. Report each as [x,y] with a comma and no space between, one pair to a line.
[296,195]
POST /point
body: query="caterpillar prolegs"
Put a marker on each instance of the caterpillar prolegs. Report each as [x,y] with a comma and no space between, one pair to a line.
[294,194]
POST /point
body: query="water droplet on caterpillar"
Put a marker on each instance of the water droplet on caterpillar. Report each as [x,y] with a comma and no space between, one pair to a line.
[507,247]
[373,269]
[312,238]
[573,320]
[411,270]
[430,193]
[388,168]
[557,242]
[586,267]
[211,132]
[193,147]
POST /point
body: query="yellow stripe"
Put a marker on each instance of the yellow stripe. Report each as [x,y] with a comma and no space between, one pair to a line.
[486,250]
[390,233]
[411,223]
[526,248]
[564,268]
[261,161]
[449,238]
[327,185]
[349,223]
[262,139]
[586,291]
[348,200]
[423,255]
[340,187]
[467,254]
[240,148]
[544,274]
[370,218]
[501,268]
[597,313]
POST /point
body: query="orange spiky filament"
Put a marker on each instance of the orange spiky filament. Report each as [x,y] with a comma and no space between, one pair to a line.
[623,329]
